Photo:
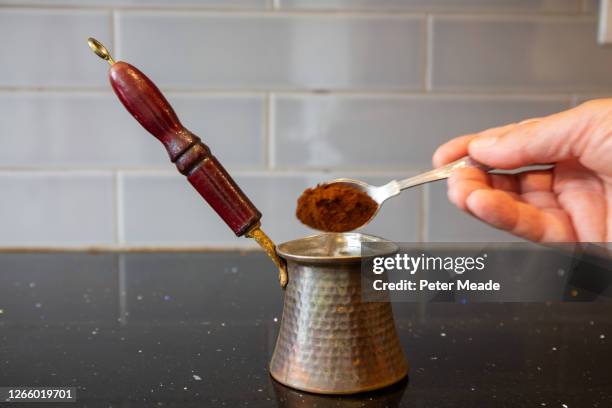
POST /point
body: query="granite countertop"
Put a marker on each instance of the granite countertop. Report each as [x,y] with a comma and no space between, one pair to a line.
[198,329]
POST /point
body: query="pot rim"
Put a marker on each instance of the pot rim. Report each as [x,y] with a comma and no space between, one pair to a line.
[297,249]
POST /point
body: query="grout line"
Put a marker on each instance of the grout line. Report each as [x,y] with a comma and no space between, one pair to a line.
[493,93]
[119,209]
[265,12]
[271,132]
[283,172]
[34,89]
[95,170]
[428,53]
[266,132]
[171,171]
[116,52]
[393,12]
[570,18]
[55,171]
[113,38]
[103,90]
[129,7]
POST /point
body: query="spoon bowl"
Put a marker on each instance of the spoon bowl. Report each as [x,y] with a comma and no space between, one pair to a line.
[377,193]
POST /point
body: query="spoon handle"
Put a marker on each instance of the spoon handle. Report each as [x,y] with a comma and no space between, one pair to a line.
[445,171]
[441,172]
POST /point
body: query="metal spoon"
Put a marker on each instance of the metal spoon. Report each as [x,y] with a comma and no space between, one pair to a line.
[382,193]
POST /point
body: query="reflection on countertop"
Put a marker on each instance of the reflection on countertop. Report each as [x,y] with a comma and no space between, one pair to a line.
[198,329]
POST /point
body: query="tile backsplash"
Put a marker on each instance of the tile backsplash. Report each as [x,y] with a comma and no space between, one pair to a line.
[275,51]
[382,132]
[43,48]
[148,199]
[287,93]
[518,53]
[92,129]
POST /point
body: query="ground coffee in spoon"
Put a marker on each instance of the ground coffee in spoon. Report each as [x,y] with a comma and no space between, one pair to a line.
[335,207]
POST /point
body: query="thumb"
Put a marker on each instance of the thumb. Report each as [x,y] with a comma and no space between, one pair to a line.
[536,141]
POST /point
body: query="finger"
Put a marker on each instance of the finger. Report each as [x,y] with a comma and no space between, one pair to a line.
[500,210]
[546,140]
[541,199]
[505,182]
[468,174]
[583,196]
[536,181]
[471,190]
[536,189]
[458,147]
[587,210]
[462,182]
[451,150]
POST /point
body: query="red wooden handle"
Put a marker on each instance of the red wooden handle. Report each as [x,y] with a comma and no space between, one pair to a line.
[193,158]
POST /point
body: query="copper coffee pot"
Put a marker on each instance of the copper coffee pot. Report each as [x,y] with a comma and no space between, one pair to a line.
[331,341]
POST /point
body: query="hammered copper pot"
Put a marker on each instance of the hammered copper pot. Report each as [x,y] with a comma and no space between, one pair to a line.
[330,340]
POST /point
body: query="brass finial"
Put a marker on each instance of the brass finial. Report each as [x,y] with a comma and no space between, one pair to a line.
[268,246]
[100,50]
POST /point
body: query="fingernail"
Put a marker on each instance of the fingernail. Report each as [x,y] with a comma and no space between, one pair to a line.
[483,142]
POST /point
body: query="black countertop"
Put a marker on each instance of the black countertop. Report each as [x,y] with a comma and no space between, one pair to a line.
[198,329]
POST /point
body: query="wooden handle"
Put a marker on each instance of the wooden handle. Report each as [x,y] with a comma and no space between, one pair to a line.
[193,158]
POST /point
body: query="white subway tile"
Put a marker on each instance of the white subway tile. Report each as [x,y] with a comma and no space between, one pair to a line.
[49,47]
[164,209]
[89,130]
[56,209]
[437,5]
[142,3]
[518,53]
[199,50]
[446,223]
[388,132]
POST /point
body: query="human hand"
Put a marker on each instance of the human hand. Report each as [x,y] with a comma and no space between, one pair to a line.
[570,203]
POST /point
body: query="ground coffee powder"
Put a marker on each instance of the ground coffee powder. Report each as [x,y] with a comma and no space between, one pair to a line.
[335,207]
